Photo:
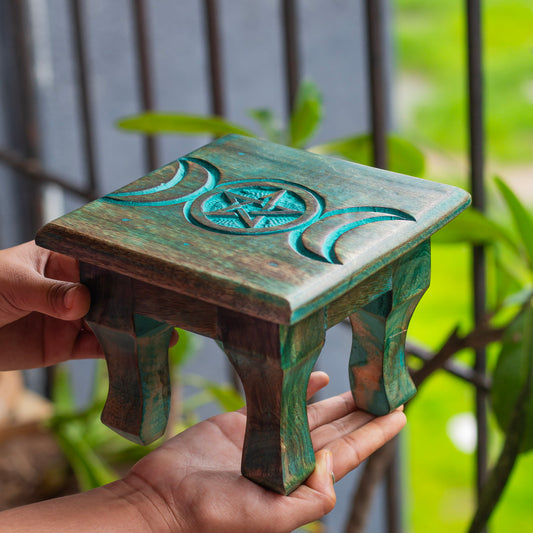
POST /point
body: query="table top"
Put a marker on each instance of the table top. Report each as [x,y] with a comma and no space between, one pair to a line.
[267,230]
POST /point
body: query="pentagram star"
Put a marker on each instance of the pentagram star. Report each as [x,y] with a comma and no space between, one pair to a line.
[251,211]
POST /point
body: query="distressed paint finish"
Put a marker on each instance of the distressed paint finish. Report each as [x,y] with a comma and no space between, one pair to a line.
[136,351]
[357,220]
[261,247]
[379,376]
[274,363]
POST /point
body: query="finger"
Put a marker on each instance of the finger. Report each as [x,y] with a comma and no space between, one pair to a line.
[317,381]
[323,435]
[58,299]
[321,480]
[62,267]
[333,408]
[87,346]
[352,449]
[310,501]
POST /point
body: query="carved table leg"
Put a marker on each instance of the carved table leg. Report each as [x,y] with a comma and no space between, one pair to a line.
[378,372]
[274,363]
[136,350]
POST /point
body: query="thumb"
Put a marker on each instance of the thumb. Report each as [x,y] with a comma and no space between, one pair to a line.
[321,480]
[58,299]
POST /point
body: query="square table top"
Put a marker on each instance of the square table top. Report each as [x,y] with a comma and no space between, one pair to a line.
[257,227]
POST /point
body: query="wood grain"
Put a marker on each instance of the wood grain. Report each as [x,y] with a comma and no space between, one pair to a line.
[245,250]
[274,363]
[136,351]
[379,377]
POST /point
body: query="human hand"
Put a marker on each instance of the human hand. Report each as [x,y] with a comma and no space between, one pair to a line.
[41,308]
[193,483]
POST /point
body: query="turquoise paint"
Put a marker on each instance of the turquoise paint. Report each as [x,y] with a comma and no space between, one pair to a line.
[213,176]
[180,174]
[390,210]
[328,248]
[296,243]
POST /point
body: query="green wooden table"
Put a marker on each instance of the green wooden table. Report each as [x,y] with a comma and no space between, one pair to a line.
[262,248]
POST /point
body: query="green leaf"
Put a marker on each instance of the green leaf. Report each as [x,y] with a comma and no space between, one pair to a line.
[511,279]
[404,157]
[62,393]
[307,114]
[521,217]
[152,123]
[517,423]
[473,227]
[90,470]
[519,298]
[226,396]
[510,374]
[182,351]
[269,124]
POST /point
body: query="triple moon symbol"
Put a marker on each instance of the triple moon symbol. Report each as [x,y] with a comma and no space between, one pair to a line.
[185,180]
[256,207]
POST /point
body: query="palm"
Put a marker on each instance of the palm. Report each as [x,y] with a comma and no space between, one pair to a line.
[204,467]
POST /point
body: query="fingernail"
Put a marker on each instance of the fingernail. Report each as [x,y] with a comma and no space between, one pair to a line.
[329,460]
[329,464]
[68,300]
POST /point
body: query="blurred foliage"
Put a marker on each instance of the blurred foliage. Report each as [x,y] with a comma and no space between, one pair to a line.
[302,126]
[430,38]
[430,44]
[510,252]
[97,454]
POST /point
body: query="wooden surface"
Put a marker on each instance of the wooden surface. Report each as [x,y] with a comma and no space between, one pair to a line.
[256,227]
[136,351]
[274,363]
[379,376]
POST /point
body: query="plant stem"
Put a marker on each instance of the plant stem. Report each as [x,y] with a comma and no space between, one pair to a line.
[500,474]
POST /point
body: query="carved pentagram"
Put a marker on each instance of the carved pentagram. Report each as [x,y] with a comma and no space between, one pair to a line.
[256,207]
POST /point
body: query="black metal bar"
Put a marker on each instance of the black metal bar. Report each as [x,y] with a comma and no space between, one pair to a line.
[214,57]
[376,47]
[392,480]
[376,58]
[291,53]
[31,169]
[25,128]
[78,36]
[144,75]
[477,171]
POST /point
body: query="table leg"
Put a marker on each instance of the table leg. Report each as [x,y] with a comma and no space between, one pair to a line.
[274,363]
[136,351]
[378,372]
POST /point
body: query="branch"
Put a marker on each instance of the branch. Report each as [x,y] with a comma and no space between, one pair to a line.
[374,470]
[479,337]
[492,490]
[377,464]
